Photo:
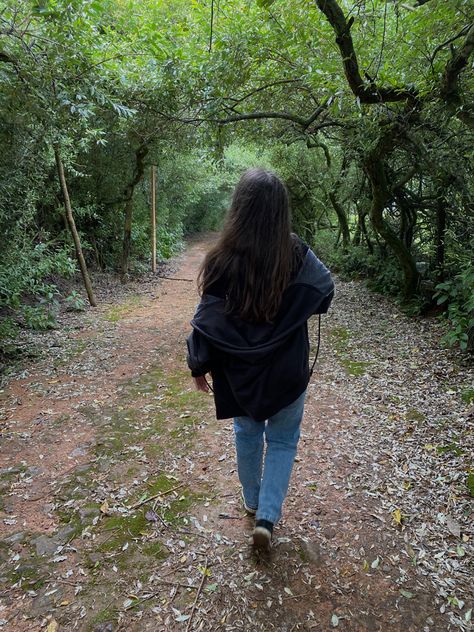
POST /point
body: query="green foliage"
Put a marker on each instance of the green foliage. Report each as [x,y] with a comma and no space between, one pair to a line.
[27,274]
[75,302]
[40,317]
[28,293]
[470,483]
[381,270]
[169,242]
[458,294]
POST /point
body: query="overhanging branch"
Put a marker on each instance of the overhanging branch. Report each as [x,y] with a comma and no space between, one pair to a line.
[449,85]
[365,92]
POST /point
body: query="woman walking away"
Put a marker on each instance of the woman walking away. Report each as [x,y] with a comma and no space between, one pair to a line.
[259,285]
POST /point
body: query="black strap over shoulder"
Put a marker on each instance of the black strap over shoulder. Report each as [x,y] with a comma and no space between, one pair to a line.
[317,347]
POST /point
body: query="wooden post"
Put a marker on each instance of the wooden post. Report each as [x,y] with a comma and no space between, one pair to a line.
[153,218]
[72,227]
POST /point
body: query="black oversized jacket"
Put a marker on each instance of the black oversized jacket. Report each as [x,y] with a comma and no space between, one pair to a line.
[257,369]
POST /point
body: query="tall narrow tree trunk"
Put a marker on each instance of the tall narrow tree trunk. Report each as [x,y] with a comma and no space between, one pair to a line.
[72,227]
[370,247]
[342,219]
[138,171]
[127,236]
[375,170]
[440,236]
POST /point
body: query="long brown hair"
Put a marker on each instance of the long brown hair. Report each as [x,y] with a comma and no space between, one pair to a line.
[256,251]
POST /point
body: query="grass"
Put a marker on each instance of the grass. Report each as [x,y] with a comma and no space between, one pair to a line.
[119,312]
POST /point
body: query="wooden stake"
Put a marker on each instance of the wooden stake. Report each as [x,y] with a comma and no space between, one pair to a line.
[72,227]
[153,218]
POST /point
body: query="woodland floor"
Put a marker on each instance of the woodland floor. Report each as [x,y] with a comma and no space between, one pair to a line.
[120,499]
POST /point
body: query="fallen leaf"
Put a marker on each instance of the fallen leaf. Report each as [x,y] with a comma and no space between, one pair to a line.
[376,562]
[453,526]
[397,516]
[151,516]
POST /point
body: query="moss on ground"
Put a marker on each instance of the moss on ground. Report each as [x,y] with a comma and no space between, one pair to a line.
[354,367]
[467,396]
[340,339]
[119,312]
[414,415]
[30,575]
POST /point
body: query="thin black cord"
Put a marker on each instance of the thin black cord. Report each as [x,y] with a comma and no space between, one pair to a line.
[208,384]
[317,348]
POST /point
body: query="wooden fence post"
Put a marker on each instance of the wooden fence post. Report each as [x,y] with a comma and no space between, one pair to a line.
[153,218]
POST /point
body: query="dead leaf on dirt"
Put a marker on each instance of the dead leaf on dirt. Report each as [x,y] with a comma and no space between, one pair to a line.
[453,526]
[104,508]
[398,517]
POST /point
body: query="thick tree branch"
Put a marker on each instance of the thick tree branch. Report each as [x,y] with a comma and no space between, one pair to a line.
[449,84]
[304,123]
[366,93]
[462,32]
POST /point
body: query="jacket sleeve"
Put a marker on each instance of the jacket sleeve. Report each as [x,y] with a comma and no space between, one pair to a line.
[326,302]
[325,285]
[199,354]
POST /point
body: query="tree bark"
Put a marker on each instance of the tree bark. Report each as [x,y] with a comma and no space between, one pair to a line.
[138,171]
[342,219]
[380,198]
[375,170]
[440,236]
[72,227]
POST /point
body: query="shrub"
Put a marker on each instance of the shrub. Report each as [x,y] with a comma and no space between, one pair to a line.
[458,294]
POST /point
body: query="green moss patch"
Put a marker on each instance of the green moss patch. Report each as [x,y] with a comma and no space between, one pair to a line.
[340,340]
[414,415]
[354,367]
[119,312]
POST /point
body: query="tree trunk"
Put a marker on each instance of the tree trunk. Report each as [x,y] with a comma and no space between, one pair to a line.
[370,247]
[440,236]
[361,230]
[127,236]
[72,227]
[375,170]
[342,219]
[138,171]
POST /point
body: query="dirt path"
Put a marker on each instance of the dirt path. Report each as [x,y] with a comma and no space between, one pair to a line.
[120,505]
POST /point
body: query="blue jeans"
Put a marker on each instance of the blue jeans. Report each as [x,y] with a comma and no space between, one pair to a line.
[282,431]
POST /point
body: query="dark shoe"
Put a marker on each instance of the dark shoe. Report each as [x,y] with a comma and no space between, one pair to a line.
[262,535]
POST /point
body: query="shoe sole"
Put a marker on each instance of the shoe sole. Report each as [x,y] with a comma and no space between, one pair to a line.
[262,539]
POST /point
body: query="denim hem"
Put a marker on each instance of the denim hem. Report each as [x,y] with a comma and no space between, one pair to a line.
[268,518]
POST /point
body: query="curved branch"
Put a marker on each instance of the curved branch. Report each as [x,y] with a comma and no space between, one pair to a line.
[365,92]
[449,84]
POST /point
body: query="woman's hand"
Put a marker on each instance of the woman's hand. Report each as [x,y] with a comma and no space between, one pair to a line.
[201,384]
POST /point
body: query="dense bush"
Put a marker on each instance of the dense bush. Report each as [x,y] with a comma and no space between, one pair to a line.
[458,294]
